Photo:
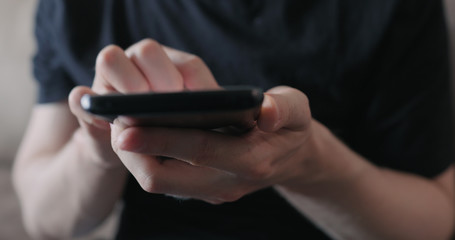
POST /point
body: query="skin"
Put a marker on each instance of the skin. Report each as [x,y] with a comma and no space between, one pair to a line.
[339,190]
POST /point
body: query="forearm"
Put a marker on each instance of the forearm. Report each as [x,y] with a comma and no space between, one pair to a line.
[366,202]
[66,193]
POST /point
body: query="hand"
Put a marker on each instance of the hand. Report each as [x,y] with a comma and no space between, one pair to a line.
[209,165]
[145,66]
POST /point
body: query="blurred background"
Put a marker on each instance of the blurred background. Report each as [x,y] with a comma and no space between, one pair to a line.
[17,95]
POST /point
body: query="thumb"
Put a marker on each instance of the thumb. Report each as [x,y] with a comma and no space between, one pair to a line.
[87,120]
[284,107]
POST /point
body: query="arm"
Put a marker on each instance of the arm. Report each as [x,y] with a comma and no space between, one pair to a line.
[66,174]
[63,190]
[339,190]
[335,187]
[362,201]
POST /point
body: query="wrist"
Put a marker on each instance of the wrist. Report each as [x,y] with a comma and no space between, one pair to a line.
[328,162]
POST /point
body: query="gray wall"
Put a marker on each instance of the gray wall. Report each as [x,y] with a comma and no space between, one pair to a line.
[17,90]
[17,96]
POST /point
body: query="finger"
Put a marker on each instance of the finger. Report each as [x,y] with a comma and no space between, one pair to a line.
[211,185]
[179,179]
[196,75]
[174,177]
[170,176]
[197,147]
[284,107]
[91,123]
[116,73]
[158,69]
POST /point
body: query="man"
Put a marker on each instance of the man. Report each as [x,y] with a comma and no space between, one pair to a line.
[354,143]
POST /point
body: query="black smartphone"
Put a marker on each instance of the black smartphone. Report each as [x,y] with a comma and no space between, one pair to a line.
[230,106]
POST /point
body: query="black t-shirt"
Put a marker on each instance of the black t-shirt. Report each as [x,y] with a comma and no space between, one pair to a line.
[375,71]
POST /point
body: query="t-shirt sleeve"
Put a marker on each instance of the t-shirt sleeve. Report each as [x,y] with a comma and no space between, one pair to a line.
[407,124]
[54,83]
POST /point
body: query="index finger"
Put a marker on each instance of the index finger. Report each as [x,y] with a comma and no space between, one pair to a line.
[197,147]
[196,75]
[159,71]
[116,73]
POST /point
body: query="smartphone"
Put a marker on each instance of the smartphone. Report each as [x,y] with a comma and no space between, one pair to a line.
[230,106]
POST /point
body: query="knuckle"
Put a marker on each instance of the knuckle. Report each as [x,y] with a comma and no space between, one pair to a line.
[192,66]
[150,183]
[260,165]
[259,172]
[148,47]
[108,55]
